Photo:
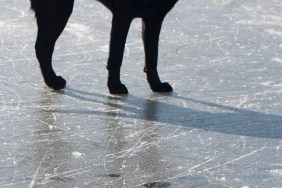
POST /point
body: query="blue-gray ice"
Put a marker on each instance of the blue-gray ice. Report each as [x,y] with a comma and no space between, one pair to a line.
[222,127]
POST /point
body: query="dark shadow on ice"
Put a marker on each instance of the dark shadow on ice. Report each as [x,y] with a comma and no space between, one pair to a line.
[219,118]
[157,185]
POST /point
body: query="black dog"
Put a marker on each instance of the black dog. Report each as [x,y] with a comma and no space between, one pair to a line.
[52,17]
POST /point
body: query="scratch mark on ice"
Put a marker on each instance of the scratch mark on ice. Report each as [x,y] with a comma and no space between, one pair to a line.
[32,183]
[237,159]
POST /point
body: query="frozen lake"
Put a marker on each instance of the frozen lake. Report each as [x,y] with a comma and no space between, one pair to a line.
[221,127]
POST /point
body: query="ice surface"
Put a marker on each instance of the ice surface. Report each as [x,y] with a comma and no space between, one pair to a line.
[222,127]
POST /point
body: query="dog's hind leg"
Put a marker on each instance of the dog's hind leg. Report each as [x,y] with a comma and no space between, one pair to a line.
[52,17]
[151,31]
[120,27]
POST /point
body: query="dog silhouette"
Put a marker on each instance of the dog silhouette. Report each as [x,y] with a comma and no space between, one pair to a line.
[52,17]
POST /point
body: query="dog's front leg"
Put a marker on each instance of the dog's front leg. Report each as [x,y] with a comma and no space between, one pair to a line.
[120,27]
[52,17]
[151,31]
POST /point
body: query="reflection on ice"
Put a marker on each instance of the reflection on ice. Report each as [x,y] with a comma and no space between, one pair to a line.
[222,127]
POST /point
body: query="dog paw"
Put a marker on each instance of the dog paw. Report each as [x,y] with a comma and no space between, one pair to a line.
[161,87]
[117,89]
[56,82]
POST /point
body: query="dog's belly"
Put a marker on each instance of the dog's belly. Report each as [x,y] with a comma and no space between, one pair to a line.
[139,8]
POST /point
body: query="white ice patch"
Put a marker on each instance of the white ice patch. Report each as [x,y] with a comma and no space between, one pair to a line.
[8,26]
[80,32]
[274,32]
[276,172]
[77,154]
[277,59]
[271,84]
[222,179]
